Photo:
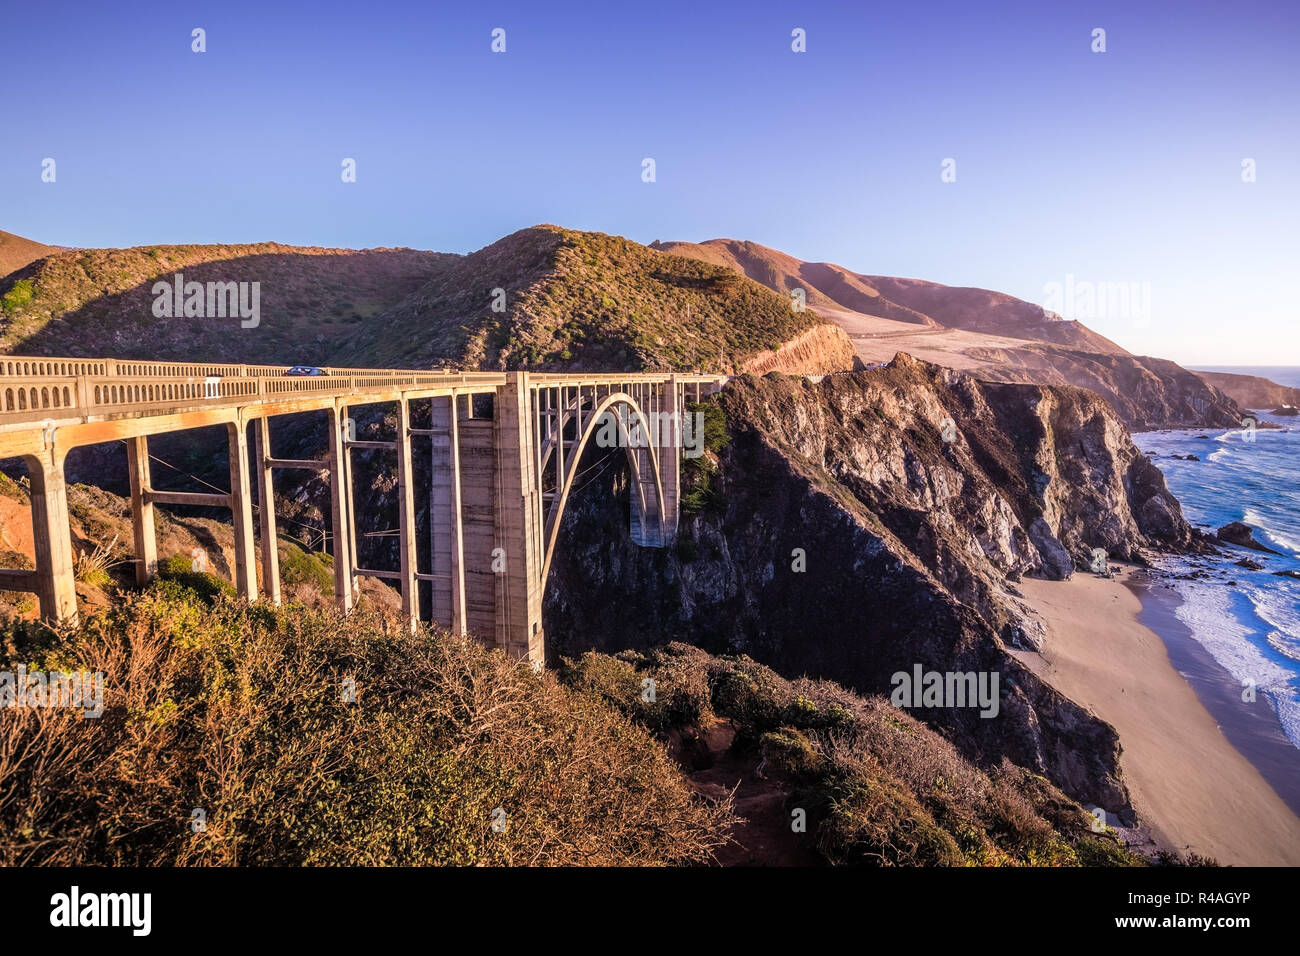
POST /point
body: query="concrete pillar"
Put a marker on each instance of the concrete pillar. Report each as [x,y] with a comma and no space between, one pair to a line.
[646,528]
[406,516]
[241,507]
[446,516]
[478,466]
[146,540]
[56,583]
[519,587]
[670,453]
[340,512]
[266,508]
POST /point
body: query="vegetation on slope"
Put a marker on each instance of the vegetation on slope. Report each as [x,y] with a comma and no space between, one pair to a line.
[306,738]
[582,300]
[97,302]
[876,786]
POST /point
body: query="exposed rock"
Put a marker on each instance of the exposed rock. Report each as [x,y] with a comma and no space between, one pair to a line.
[820,349]
[909,541]
[1056,561]
[1234,532]
[1288,410]
[1249,565]
[1252,391]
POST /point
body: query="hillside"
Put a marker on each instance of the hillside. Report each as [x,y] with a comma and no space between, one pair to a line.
[570,300]
[100,301]
[988,334]
[926,305]
[912,544]
[1252,391]
[16,252]
[583,300]
[241,705]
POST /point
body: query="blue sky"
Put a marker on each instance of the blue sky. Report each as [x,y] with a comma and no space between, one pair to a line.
[1123,166]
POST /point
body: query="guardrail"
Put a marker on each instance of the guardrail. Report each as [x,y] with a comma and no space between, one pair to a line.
[37,388]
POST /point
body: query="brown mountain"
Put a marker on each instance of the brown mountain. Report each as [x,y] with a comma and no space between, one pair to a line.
[16,252]
[991,335]
[1252,391]
[928,305]
[567,299]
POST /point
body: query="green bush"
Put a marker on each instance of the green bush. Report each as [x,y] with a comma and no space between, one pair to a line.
[180,570]
[19,295]
[299,567]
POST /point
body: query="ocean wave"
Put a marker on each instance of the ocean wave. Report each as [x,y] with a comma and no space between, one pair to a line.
[1288,714]
[1276,537]
[1279,610]
[1207,611]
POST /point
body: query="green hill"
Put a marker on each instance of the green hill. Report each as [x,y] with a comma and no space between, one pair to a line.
[568,299]
[100,301]
[582,300]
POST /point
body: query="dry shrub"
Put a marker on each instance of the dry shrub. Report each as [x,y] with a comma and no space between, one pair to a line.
[241,711]
[879,786]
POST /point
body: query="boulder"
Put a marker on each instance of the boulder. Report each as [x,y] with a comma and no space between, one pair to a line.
[1234,532]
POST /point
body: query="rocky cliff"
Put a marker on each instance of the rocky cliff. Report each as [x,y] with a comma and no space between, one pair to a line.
[1252,391]
[868,522]
[1146,393]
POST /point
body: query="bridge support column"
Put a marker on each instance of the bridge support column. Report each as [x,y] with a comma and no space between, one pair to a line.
[518,525]
[406,519]
[142,523]
[266,509]
[647,528]
[672,422]
[56,583]
[241,506]
[446,523]
[340,510]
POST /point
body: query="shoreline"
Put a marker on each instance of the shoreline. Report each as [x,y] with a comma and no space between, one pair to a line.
[1126,660]
[1255,730]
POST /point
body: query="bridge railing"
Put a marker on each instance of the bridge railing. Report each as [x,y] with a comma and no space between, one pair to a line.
[33,389]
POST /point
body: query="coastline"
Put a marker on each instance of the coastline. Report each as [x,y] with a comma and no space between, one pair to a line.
[1115,647]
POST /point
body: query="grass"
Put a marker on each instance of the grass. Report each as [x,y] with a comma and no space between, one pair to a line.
[583,300]
[879,788]
[307,738]
[699,495]
[93,567]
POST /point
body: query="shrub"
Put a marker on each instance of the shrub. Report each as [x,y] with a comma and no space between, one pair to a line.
[20,294]
[873,821]
[311,738]
[180,570]
[299,567]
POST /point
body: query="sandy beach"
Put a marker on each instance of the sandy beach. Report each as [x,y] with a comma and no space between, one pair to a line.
[1192,789]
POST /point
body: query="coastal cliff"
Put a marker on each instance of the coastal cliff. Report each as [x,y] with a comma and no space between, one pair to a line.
[862,524]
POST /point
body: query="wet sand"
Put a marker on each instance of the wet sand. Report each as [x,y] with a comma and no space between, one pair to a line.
[1192,788]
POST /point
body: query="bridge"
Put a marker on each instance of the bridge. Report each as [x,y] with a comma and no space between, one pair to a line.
[505,449]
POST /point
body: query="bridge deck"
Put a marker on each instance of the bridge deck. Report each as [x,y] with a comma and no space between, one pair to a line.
[497,510]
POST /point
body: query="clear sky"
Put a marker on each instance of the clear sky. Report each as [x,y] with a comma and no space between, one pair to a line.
[1121,167]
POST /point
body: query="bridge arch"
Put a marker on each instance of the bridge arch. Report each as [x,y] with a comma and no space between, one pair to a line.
[639,458]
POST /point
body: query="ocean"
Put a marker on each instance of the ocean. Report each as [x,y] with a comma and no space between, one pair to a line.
[1252,628]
